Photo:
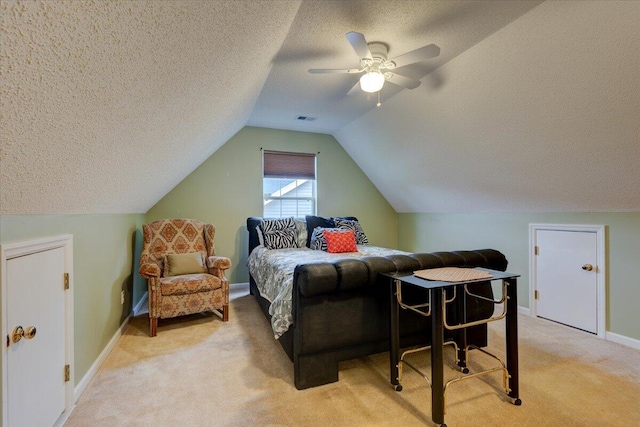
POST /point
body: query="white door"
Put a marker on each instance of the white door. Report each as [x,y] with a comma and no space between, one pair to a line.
[35,368]
[566,278]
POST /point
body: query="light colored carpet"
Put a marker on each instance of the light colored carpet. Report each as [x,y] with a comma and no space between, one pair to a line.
[199,371]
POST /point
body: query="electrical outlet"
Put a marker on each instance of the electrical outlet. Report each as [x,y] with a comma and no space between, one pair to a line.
[122,297]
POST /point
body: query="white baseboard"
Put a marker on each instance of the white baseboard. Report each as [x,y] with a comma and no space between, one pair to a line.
[86,379]
[609,336]
[140,304]
[524,310]
[621,339]
[238,285]
[64,417]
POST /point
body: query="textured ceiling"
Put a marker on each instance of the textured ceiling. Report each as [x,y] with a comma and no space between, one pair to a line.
[105,106]
[108,105]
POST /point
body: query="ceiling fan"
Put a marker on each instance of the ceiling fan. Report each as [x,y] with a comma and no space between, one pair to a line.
[377,68]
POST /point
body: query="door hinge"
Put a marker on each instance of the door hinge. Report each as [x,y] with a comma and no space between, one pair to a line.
[8,341]
[67,373]
[536,295]
[537,250]
[66,281]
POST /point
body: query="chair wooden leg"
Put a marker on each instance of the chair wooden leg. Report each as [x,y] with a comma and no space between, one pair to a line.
[225,313]
[153,326]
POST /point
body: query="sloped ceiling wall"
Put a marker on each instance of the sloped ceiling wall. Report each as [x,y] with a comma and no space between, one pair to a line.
[542,116]
[108,105]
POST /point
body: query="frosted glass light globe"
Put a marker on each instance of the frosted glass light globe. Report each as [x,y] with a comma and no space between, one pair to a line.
[372,81]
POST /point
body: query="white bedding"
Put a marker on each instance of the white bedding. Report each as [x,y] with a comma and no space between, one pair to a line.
[273,269]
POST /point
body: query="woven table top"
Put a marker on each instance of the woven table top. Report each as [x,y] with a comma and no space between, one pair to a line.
[452,274]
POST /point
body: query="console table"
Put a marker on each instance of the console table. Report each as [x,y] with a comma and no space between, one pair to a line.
[435,308]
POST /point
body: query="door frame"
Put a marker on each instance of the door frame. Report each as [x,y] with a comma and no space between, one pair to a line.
[601,268]
[18,249]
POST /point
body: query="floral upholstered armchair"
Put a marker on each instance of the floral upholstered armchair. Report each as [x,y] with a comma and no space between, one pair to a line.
[184,274]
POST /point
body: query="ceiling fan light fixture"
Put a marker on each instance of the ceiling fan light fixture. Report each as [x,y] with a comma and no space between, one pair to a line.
[372,81]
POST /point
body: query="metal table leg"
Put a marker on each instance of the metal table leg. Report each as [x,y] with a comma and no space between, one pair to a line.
[437,356]
[394,332]
[512,340]
[462,333]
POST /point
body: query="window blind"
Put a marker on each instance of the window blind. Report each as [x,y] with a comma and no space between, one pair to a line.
[278,164]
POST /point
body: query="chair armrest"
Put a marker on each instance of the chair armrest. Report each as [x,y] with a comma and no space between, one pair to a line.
[149,270]
[219,262]
[217,265]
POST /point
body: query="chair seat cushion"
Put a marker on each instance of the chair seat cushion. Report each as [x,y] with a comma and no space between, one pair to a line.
[189,284]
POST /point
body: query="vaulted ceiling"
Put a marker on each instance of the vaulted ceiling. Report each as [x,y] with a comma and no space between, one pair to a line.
[530,107]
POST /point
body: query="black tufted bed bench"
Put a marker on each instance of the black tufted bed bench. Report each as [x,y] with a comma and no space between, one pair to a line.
[340,309]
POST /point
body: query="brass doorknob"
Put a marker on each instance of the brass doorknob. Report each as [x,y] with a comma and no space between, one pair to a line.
[17,334]
[587,267]
[30,332]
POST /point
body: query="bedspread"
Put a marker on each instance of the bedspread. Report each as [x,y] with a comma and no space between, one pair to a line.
[273,270]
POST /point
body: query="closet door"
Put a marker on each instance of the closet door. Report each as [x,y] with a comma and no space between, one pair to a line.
[566,272]
[37,324]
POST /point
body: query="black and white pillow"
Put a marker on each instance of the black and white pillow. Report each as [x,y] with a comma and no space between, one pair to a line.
[279,233]
[281,239]
[277,224]
[318,241]
[316,221]
[348,224]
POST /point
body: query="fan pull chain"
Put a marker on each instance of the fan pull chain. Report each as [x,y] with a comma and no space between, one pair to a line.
[378,104]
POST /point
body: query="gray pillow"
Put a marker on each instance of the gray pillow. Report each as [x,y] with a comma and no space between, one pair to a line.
[301,230]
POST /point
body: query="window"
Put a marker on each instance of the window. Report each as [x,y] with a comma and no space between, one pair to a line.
[288,184]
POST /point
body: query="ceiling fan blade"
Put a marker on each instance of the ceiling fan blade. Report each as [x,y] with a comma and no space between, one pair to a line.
[402,81]
[334,71]
[425,52]
[355,89]
[359,44]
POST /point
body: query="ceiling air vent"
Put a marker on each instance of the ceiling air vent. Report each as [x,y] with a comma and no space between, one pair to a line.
[305,118]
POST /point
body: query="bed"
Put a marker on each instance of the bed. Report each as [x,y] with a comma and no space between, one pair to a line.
[333,307]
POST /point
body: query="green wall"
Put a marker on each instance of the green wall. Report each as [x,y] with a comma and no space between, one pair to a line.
[509,233]
[227,188]
[103,261]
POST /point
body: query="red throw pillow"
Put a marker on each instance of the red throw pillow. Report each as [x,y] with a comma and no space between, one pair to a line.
[341,241]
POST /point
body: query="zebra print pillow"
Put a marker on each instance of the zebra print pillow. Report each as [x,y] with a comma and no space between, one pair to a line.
[279,233]
[277,224]
[281,239]
[347,224]
[318,241]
